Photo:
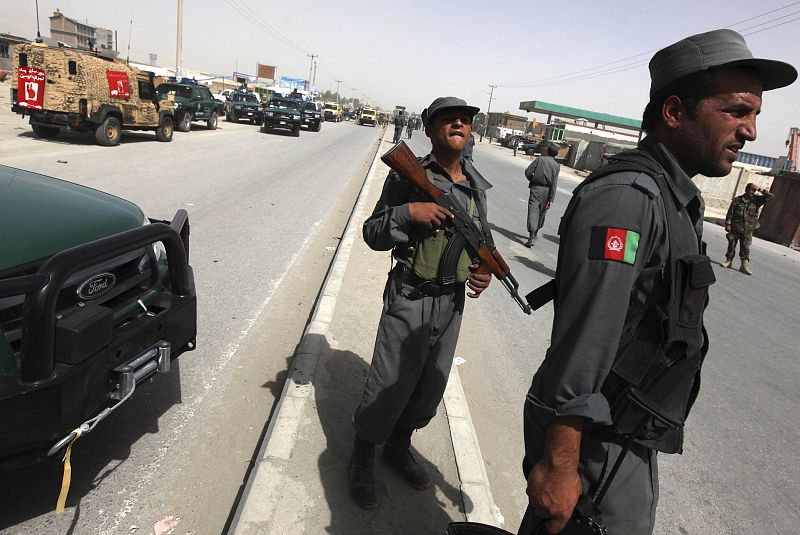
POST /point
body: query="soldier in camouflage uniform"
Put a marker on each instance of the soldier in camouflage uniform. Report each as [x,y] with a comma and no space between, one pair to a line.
[740,222]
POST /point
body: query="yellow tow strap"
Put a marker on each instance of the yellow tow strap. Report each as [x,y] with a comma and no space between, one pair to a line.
[67,480]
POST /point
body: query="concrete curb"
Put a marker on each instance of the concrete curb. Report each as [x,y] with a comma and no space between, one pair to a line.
[265,485]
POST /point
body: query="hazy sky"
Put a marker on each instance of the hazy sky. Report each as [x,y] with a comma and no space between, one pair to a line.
[409,52]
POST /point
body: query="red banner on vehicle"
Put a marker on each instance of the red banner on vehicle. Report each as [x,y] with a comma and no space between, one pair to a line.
[118,84]
[30,87]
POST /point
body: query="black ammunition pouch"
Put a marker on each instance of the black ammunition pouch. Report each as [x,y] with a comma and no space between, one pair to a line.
[656,375]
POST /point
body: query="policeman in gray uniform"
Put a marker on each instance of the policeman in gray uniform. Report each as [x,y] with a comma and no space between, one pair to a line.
[542,175]
[422,303]
[623,368]
[399,122]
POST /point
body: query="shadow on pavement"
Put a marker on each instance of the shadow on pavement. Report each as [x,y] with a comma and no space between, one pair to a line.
[552,238]
[339,384]
[32,491]
[535,265]
[510,234]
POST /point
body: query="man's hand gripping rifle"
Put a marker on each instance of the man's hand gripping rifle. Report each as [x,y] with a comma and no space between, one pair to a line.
[479,245]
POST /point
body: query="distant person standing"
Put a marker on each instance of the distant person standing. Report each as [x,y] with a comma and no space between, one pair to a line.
[740,222]
[542,175]
[399,122]
[468,148]
[410,127]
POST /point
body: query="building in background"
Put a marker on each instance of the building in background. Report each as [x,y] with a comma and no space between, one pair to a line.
[78,34]
[7,42]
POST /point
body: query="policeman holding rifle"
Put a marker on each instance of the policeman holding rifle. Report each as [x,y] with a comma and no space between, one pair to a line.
[422,303]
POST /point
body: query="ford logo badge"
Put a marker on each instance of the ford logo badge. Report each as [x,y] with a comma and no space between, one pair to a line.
[97,286]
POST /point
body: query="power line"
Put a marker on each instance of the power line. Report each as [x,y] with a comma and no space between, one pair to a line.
[250,15]
[587,74]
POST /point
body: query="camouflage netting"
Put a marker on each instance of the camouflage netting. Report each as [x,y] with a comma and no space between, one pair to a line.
[63,91]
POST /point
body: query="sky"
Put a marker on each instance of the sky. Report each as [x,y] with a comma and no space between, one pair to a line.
[589,54]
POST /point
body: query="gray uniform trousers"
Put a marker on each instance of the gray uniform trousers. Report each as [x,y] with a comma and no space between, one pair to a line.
[411,361]
[629,506]
[537,203]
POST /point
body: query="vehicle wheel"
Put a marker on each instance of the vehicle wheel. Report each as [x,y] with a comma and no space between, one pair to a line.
[234,117]
[165,129]
[296,131]
[185,123]
[212,123]
[228,116]
[109,132]
[317,127]
[46,132]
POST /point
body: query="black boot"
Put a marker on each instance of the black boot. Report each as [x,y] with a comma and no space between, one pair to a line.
[359,476]
[531,240]
[396,454]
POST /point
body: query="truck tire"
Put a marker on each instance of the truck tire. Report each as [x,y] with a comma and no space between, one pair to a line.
[185,123]
[228,116]
[317,127]
[212,123]
[165,129]
[233,116]
[109,132]
[45,132]
[296,131]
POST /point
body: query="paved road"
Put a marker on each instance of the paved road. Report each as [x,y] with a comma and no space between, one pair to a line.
[739,472]
[265,213]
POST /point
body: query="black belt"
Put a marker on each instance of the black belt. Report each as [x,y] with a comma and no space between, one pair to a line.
[423,287]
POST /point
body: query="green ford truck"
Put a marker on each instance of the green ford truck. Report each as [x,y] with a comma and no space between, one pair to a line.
[192,102]
[94,299]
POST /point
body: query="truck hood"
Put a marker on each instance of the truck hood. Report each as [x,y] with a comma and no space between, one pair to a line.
[41,216]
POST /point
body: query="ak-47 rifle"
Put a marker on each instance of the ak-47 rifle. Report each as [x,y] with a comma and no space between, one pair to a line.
[479,245]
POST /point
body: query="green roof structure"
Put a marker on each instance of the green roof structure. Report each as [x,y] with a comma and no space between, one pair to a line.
[576,113]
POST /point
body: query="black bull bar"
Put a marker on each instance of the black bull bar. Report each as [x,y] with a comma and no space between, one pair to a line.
[42,288]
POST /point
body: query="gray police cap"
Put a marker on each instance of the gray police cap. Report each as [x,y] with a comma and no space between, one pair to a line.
[714,49]
[443,103]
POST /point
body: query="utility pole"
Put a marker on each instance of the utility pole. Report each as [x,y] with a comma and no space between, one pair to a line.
[486,122]
[310,68]
[337,90]
[314,77]
[179,45]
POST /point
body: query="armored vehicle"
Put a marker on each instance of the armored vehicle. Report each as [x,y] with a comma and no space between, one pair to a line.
[312,119]
[193,102]
[243,105]
[333,112]
[284,114]
[368,116]
[94,299]
[64,88]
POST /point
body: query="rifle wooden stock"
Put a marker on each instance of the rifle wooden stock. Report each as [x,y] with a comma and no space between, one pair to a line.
[402,160]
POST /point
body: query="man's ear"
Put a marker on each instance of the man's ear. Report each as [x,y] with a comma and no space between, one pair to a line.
[673,111]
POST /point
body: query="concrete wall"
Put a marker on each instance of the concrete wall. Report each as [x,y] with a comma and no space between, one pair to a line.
[718,192]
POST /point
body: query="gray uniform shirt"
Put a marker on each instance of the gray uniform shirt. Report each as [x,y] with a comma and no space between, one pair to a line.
[391,224]
[594,295]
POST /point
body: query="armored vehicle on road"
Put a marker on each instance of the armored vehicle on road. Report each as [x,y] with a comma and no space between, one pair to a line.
[312,119]
[243,105]
[64,88]
[193,102]
[94,299]
[282,113]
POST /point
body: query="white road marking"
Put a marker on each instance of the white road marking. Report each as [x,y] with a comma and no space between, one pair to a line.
[185,411]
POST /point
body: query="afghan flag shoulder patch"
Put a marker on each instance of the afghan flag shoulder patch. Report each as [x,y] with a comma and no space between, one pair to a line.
[618,244]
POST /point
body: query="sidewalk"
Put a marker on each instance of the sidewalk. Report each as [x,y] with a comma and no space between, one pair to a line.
[299,481]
